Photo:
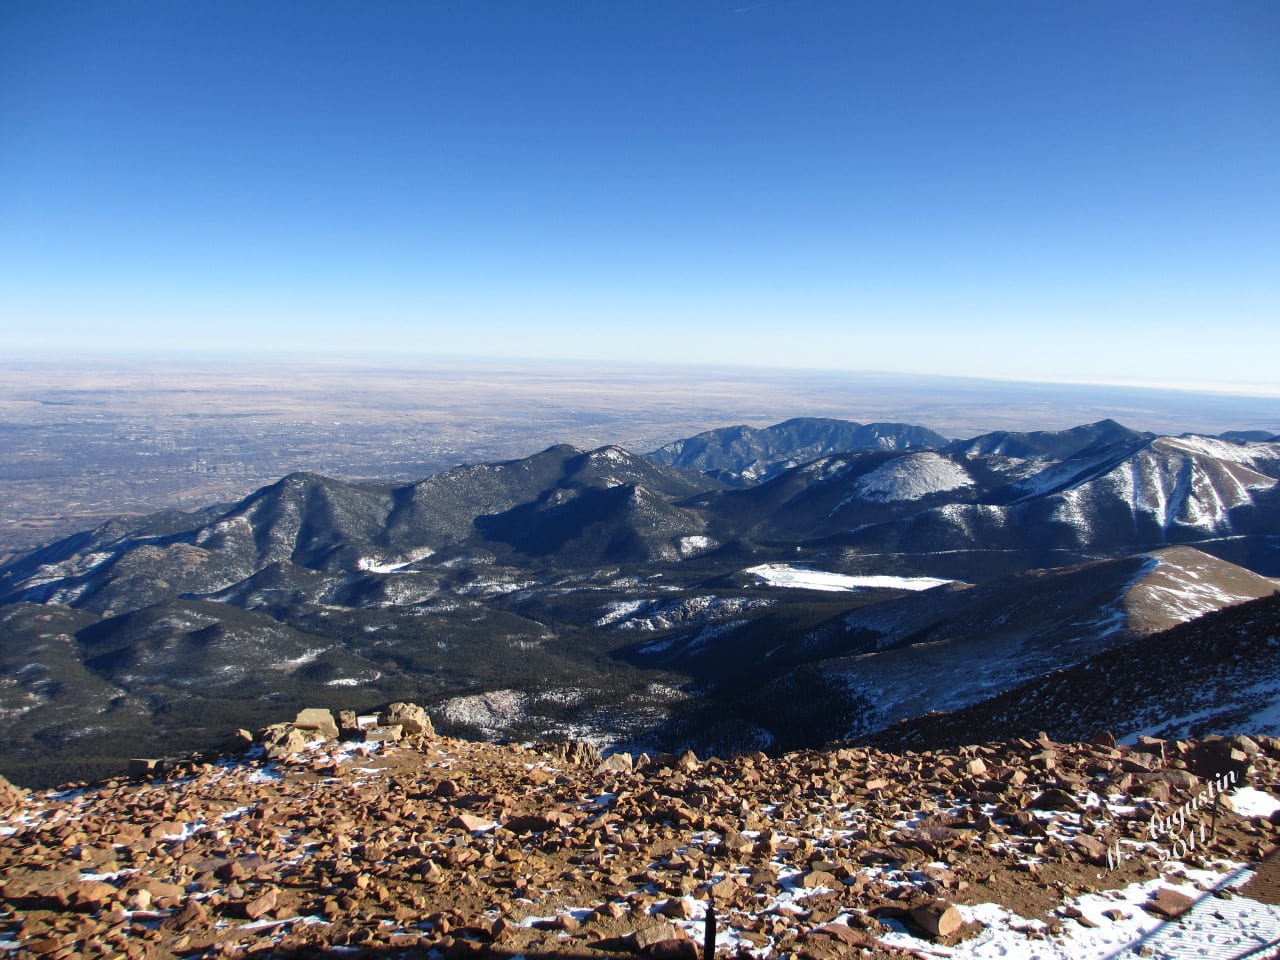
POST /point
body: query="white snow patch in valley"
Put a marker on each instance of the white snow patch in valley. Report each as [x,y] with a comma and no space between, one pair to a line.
[803,578]
[307,656]
[692,546]
[382,565]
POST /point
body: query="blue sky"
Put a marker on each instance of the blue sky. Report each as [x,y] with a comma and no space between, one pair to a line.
[1081,191]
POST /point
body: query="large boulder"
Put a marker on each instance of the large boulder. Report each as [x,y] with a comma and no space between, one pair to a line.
[577,752]
[282,740]
[411,718]
[10,795]
[318,721]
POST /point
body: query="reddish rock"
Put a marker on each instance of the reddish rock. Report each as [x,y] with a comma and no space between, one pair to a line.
[539,822]
[975,768]
[1169,903]
[677,908]
[317,721]
[616,763]
[465,821]
[819,878]
[192,914]
[672,948]
[410,717]
[1093,849]
[93,894]
[1054,799]
[652,933]
[938,919]
[282,740]
[165,895]
[260,906]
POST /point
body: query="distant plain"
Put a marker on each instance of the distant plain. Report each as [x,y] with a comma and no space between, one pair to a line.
[88,439]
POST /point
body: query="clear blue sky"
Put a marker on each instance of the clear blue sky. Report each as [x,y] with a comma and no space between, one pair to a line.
[1057,190]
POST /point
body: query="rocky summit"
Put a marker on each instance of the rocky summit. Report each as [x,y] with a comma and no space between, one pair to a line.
[374,836]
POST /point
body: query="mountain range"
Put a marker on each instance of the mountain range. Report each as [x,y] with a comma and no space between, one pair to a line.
[744,588]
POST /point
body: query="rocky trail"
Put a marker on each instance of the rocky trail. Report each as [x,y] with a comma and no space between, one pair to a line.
[349,839]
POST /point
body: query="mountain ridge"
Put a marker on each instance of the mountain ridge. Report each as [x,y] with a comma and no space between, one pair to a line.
[537,592]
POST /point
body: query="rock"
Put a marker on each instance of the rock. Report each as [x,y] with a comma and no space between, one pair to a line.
[1044,760]
[10,795]
[724,890]
[140,768]
[938,919]
[735,842]
[93,894]
[1054,799]
[539,822]
[261,905]
[819,878]
[1093,849]
[464,821]
[384,733]
[677,908]
[673,948]
[654,932]
[616,763]
[412,719]
[192,914]
[1169,903]
[282,740]
[165,895]
[318,720]
[577,752]
[1215,757]
[975,767]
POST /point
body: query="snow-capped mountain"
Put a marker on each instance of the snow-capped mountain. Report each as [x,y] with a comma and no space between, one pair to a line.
[656,602]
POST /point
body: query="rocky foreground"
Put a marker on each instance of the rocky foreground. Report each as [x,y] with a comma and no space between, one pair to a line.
[365,841]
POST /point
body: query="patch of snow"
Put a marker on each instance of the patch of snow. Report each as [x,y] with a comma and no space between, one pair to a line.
[1231,926]
[620,610]
[1252,802]
[307,656]
[383,565]
[802,578]
[695,545]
